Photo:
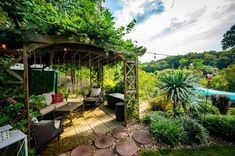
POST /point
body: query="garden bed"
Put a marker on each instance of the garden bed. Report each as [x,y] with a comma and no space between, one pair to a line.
[154,145]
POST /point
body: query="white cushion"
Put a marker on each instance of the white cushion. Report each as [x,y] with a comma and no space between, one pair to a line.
[90,99]
[56,123]
[34,120]
[48,97]
[95,91]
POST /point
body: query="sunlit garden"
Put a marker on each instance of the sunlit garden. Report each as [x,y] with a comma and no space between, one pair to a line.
[72,84]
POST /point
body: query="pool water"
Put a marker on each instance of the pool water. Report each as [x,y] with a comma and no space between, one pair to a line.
[209,92]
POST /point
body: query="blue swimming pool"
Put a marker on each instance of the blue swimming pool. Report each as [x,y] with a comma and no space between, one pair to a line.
[209,92]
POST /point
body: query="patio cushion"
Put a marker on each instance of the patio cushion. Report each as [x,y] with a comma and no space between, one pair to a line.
[48,98]
[95,91]
[90,99]
[34,120]
[56,123]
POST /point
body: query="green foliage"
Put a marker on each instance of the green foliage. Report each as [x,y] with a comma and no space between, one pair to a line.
[223,80]
[113,79]
[178,88]
[221,102]
[172,131]
[151,116]
[65,92]
[132,109]
[145,118]
[232,111]
[85,20]
[205,62]
[14,114]
[220,125]
[195,133]
[228,40]
[147,83]
[161,103]
[167,131]
[36,103]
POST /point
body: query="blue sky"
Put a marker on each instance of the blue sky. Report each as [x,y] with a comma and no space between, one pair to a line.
[175,27]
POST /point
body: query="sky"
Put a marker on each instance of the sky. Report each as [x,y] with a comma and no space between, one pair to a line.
[174,27]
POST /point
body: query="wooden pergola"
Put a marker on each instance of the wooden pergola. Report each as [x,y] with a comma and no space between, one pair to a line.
[51,50]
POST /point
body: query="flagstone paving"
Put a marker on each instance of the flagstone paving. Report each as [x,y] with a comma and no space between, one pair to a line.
[87,125]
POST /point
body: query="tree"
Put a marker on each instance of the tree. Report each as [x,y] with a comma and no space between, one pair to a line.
[228,40]
[224,80]
[184,62]
[223,62]
[178,87]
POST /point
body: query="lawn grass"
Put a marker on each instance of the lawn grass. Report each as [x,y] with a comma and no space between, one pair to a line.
[213,150]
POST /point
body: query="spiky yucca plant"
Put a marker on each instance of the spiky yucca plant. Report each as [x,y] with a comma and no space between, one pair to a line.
[178,87]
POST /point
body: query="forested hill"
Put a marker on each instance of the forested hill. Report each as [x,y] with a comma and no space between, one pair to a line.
[209,60]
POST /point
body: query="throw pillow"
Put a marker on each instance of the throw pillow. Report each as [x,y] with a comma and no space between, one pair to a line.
[48,98]
[95,91]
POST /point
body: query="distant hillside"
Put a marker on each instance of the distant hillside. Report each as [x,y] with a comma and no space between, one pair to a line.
[210,59]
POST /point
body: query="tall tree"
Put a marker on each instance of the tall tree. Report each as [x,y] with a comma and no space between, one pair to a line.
[229,38]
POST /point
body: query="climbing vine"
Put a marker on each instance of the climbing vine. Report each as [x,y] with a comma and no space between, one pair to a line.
[85,20]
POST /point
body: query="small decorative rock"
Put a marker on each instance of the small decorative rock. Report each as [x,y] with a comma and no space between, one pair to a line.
[142,137]
[126,148]
[83,150]
[103,152]
[120,132]
[104,141]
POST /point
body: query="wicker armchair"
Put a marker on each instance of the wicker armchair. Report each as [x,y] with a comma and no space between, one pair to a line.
[44,132]
[92,100]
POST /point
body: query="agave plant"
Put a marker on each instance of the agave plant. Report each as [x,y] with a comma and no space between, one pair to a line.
[178,87]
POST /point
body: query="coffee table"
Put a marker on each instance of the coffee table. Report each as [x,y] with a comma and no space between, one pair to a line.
[69,108]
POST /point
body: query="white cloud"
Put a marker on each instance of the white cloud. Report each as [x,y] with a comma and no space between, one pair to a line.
[184,26]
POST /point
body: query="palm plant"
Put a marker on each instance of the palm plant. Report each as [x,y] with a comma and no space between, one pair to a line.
[178,87]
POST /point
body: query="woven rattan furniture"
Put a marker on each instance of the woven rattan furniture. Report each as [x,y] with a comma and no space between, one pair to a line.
[92,100]
[44,132]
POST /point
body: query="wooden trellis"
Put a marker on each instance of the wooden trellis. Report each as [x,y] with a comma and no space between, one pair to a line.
[131,89]
[18,81]
[96,76]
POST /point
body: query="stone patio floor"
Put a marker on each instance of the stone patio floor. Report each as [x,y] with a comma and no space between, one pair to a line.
[87,125]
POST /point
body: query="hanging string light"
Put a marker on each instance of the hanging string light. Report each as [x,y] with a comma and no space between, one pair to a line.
[4,46]
[155,55]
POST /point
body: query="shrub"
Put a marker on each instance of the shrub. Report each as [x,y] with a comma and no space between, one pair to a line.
[195,133]
[152,116]
[211,109]
[178,88]
[172,131]
[167,130]
[221,125]
[221,102]
[232,111]
[161,103]
[145,119]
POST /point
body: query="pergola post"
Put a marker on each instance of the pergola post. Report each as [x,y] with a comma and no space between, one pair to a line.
[131,90]
[26,85]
